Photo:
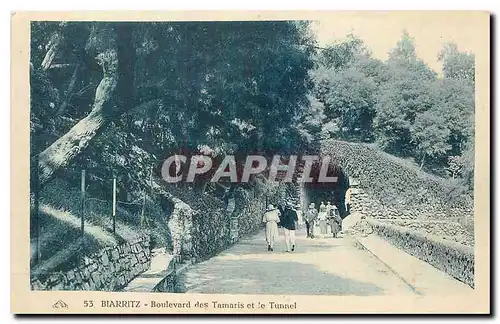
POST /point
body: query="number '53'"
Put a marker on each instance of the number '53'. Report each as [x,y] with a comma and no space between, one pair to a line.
[88,303]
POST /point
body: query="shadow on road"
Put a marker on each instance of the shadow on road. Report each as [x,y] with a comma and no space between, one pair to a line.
[245,248]
[270,277]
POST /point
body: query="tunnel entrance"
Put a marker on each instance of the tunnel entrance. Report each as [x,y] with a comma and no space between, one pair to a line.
[334,192]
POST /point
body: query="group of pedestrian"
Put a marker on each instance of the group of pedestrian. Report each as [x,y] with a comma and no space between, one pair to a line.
[289,216]
[327,217]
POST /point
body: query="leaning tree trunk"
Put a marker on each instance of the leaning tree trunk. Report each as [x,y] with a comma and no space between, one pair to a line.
[70,145]
[117,82]
[52,52]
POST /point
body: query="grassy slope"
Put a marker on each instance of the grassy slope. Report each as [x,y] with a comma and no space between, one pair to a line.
[61,244]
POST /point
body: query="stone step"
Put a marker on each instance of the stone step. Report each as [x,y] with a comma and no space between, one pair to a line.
[148,280]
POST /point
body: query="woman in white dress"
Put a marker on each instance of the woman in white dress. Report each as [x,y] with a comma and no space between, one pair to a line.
[271,219]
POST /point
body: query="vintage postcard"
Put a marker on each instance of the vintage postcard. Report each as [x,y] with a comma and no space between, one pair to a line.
[238,162]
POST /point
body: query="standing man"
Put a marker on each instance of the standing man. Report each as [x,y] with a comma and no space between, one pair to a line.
[289,223]
[281,211]
[310,216]
[322,218]
[298,209]
[329,207]
[348,201]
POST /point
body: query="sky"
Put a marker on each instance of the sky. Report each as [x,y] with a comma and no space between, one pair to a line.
[381,31]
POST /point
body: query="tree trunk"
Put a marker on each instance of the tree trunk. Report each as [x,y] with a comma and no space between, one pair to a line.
[51,54]
[69,92]
[78,138]
[70,145]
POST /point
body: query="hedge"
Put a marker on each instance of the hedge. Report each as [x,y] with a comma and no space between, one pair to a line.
[396,186]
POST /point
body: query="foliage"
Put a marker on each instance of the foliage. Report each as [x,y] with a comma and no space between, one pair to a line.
[401,104]
[430,135]
[345,83]
[454,167]
[311,123]
[229,86]
[457,65]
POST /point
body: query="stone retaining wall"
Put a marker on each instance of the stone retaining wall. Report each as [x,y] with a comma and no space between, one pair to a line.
[110,269]
[214,230]
[455,259]
[211,233]
[168,284]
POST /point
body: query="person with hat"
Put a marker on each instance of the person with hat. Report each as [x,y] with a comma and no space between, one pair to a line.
[347,201]
[310,217]
[271,219]
[289,223]
[329,207]
[322,219]
[300,221]
[335,220]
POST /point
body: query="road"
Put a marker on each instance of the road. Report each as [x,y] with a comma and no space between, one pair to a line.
[320,266]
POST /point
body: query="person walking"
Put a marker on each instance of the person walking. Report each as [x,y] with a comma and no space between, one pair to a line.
[329,207]
[335,221]
[271,219]
[348,201]
[322,219]
[310,217]
[300,221]
[289,224]
[281,213]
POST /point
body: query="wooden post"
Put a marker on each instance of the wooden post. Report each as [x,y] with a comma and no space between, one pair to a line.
[143,211]
[144,219]
[114,205]
[82,224]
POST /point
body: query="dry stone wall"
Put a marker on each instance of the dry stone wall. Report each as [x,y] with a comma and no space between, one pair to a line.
[455,259]
[109,270]
[201,226]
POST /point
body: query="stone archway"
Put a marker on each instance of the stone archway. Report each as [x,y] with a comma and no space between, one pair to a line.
[334,192]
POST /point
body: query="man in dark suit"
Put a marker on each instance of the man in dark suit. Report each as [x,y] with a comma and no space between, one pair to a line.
[281,209]
[289,224]
[310,216]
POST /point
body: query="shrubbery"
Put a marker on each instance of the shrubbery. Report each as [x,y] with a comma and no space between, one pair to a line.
[397,184]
